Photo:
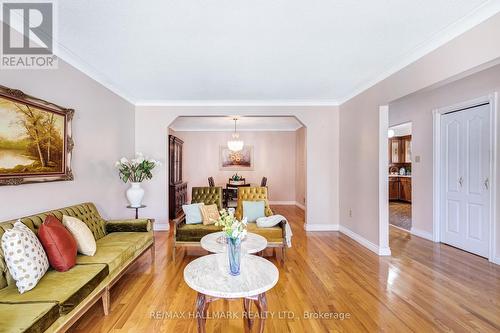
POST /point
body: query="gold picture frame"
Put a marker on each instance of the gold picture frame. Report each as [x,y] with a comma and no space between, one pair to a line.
[36,139]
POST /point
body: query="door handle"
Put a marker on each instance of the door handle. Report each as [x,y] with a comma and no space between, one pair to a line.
[461,181]
[487,183]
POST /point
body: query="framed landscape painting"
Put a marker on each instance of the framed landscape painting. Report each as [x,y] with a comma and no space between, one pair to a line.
[235,161]
[35,139]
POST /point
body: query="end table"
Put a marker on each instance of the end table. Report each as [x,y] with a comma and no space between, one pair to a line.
[137,210]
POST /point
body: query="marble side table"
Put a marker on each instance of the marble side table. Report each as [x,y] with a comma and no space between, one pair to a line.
[209,276]
[252,243]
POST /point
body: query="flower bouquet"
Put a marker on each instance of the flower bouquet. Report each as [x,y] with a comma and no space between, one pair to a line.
[135,171]
[234,231]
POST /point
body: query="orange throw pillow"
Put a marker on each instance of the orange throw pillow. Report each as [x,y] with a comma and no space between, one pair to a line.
[58,243]
[210,214]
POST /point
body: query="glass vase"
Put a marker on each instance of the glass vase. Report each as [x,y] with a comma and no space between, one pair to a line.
[234,255]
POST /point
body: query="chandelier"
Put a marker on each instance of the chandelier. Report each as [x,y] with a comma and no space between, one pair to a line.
[235,144]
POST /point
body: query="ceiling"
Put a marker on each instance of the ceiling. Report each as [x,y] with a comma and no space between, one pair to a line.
[282,51]
[402,129]
[243,124]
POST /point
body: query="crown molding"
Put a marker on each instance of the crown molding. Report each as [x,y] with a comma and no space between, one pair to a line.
[474,18]
[229,102]
[176,129]
[457,28]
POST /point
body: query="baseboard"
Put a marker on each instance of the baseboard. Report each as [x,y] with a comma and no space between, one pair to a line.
[286,203]
[161,227]
[321,227]
[365,242]
[495,260]
[422,234]
[301,206]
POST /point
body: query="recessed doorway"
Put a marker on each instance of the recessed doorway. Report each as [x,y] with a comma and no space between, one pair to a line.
[400,175]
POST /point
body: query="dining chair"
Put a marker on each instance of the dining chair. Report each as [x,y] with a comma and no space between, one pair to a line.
[211,181]
[263,182]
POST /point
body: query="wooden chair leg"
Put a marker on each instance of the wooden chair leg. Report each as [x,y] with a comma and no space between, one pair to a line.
[153,253]
[105,301]
[173,253]
[283,255]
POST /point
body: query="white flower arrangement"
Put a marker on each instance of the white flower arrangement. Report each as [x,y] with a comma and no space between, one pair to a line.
[137,169]
[231,226]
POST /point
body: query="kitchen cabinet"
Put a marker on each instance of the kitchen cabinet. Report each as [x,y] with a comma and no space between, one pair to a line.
[400,149]
[405,189]
[400,189]
[393,188]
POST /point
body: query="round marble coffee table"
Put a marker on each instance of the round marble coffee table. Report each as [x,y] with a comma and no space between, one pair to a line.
[252,243]
[209,276]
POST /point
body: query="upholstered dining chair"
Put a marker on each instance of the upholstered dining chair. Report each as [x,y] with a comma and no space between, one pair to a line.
[211,181]
[263,182]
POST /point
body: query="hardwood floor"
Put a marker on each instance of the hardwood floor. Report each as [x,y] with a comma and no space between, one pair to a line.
[400,214]
[423,287]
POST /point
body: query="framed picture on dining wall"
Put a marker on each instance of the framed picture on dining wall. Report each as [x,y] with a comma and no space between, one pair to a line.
[35,139]
[236,161]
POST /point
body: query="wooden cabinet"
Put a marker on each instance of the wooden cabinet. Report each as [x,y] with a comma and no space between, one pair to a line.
[177,189]
[400,149]
[400,189]
[393,188]
[405,189]
[177,196]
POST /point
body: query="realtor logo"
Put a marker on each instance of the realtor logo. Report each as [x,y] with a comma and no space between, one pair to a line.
[28,35]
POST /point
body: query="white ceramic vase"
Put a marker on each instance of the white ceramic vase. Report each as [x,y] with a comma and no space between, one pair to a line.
[135,193]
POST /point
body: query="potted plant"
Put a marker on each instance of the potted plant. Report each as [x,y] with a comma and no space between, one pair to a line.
[235,231]
[135,171]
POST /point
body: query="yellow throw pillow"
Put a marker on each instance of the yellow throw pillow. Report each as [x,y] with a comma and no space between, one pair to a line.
[84,239]
[210,213]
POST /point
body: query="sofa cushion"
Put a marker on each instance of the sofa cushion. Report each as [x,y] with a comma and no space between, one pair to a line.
[28,317]
[253,210]
[138,239]
[84,239]
[193,213]
[113,256]
[58,243]
[117,249]
[272,234]
[68,288]
[25,256]
[194,232]
[210,214]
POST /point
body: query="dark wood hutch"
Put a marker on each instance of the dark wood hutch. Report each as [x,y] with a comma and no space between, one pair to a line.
[177,189]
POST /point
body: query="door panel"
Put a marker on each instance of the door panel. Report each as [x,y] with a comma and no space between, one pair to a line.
[465,169]
[453,216]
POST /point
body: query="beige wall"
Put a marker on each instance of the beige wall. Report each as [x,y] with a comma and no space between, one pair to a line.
[300,167]
[274,158]
[417,108]
[103,131]
[359,120]
[151,128]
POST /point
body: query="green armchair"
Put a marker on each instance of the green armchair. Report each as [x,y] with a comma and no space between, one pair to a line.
[186,235]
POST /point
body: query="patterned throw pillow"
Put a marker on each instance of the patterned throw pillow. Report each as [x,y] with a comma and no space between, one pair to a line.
[209,213]
[24,255]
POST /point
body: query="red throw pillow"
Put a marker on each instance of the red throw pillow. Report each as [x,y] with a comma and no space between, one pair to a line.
[58,243]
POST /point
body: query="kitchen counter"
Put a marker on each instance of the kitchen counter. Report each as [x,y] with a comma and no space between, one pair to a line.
[405,176]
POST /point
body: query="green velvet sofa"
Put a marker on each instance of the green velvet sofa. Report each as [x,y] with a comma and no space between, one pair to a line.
[187,235]
[60,298]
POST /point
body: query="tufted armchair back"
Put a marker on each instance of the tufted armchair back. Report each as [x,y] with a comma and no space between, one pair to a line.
[207,195]
[87,212]
[252,194]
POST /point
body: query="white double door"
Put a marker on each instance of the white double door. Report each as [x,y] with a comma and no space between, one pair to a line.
[465,179]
